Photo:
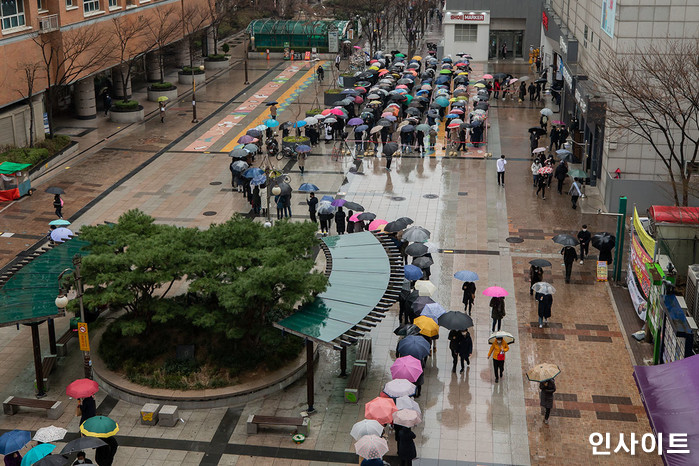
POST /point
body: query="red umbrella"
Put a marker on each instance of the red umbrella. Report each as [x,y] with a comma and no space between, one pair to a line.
[380,409]
[82,388]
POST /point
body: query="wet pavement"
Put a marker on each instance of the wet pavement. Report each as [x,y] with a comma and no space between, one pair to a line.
[468,419]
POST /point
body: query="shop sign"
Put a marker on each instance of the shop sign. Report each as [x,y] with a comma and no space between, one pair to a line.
[545,20]
[639,302]
[566,75]
[564,45]
[646,239]
[639,259]
[581,102]
[602,269]
[476,18]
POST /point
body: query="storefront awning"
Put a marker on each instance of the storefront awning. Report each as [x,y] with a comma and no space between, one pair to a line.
[673,214]
[670,394]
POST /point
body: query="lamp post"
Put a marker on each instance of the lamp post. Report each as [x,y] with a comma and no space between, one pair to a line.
[62,303]
[194,95]
[245,59]
[276,190]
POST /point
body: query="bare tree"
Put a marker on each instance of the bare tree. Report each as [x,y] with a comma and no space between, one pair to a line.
[29,74]
[217,11]
[192,20]
[161,30]
[67,56]
[655,98]
[128,42]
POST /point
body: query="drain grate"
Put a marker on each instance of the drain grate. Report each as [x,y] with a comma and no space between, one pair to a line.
[209,213]
[514,239]
[215,183]
[430,196]
[463,193]
[397,198]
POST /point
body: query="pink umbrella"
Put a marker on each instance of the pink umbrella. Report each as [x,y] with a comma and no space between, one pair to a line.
[401,86]
[487,76]
[558,122]
[360,89]
[545,170]
[371,446]
[495,292]
[458,111]
[406,418]
[355,217]
[385,114]
[358,100]
[380,409]
[357,47]
[453,125]
[383,73]
[399,387]
[376,224]
[336,111]
[247,139]
[513,80]
[326,112]
[407,367]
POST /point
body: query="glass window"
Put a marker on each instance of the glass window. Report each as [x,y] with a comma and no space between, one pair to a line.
[91,5]
[12,13]
[39,3]
[113,3]
[465,33]
[69,3]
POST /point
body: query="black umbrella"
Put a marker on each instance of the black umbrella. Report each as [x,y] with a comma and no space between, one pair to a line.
[353,206]
[395,226]
[369,216]
[538,130]
[432,113]
[390,148]
[541,80]
[416,249]
[256,133]
[603,241]
[540,263]
[53,460]
[482,106]
[565,240]
[423,262]
[413,110]
[285,187]
[453,320]
[500,75]
[407,220]
[383,122]
[269,104]
[419,303]
[407,129]
[55,190]
[82,443]
[407,329]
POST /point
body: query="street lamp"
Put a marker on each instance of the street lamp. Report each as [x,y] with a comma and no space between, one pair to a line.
[62,302]
[276,190]
[194,95]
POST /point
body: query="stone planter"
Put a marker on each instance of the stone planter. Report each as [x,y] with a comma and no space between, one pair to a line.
[186,78]
[216,64]
[171,94]
[348,81]
[329,99]
[292,145]
[127,117]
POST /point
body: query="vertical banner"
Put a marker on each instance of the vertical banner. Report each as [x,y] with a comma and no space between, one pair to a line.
[602,270]
[82,337]
[333,40]
[608,14]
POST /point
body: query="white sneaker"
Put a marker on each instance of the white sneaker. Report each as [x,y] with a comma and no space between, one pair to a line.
[541,326]
[581,262]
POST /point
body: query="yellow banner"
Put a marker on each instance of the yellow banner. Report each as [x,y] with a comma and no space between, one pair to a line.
[82,337]
[646,240]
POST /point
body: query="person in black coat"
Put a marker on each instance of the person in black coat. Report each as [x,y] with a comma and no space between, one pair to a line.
[325,220]
[350,223]
[406,446]
[340,221]
[104,455]
[546,391]
[461,346]
[544,308]
[553,136]
[312,202]
[469,289]
[569,256]
[536,274]
[256,201]
[522,90]
[88,409]
[560,174]
[584,237]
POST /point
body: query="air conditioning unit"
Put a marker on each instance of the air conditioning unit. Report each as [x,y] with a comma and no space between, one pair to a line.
[48,23]
[691,294]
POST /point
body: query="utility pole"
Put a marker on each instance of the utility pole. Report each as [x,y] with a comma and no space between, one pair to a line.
[245,59]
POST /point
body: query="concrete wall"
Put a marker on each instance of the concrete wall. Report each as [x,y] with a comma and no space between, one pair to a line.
[641,192]
[478,49]
[14,124]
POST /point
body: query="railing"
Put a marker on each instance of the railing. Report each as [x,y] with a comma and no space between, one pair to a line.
[48,23]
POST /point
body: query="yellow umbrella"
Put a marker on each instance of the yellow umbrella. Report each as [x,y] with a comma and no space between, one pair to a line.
[374,68]
[479,85]
[428,326]
[453,99]
[375,102]
[416,57]
[463,73]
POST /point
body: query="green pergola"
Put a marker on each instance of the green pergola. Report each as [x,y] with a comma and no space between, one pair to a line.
[365,276]
[300,35]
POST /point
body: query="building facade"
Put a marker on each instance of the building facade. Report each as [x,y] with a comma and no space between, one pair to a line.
[23,23]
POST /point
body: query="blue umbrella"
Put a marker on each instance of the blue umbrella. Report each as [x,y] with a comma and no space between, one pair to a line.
[412,272]
[253,172]
[258,180]
[252,148]
[452,115]
[325,207]
[433,310]
[14,440]
[303,148]
[361,128]
[466,276]
[36,453]
[441,101]
[60,223]
[308,188]
[327,198]
[271,123]
[300,124]
[415,346]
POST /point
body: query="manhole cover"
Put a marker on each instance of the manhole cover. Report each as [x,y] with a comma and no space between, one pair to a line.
[182,114]
[514,239]
[209,213]
[397,198]
[462,193]
[430,196]
[215,183]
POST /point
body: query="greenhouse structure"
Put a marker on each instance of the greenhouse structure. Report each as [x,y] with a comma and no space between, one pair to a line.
[325,36]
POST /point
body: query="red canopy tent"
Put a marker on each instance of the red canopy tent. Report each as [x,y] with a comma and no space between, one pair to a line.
[673,214]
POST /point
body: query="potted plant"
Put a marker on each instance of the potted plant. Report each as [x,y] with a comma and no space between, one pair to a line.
[164,89]
[313,112]
[217,61]
[292,141]
[189,74]
[331,96]
[126,111]
[348,79]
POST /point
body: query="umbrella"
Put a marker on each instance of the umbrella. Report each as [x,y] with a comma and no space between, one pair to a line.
[372,446]
[524,78]
[311,120]
[381,409]
[61,234]
[53,460]
[99,426]
[412,272]
[252,148]
[300,124]
[269,104]
[405,330]
[453,320]
[59,223]
[54,190]
[14,440]
[327,198]
[543,288]
[390,148]
[423,127]
[271,123]
[330,120]
[441,101]
[395,226]
[541,80]
[400,387]
[579,174]
[546,111]
[366,427]
[563,152]
[303,149]
[353,206]
[509,339]
[415,346]
[258,180]
[49,434]
[543,372]
[377,224]
[82,443]
[540,263]
[405,402]
[407,368]
[538,130]
[495,292]
[416,249]
[36,453]
[425,287]
[376,129]
[253,172]
[466,276]
[239,166]
[238,153]
[406,418]
[361,128]
[82,388]
[603,241]
[308,188]
[565,240]
[367,216]
[428,326]
[539,150]
[256,133]
[418,302]
[545,170]
[355,122]
[416,234]
[433,311]
[326,208]
[407,129]
[423,262]
[162,98]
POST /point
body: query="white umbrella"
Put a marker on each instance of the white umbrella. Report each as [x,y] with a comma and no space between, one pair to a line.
[406,418]
[405,402]
[50,434]
[311,121]
[399,387]
[547,111]
[425,287]
[371,446]
[543,288]
[366,427]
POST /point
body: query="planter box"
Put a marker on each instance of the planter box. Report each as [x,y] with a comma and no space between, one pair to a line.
[186,78]
[329,99]
[348,81]
[171,94]
[292,145]
[216,64]
[127,117]
[57,159]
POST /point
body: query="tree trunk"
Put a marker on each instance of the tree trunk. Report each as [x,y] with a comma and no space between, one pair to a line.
[31,117]
[48,102]
[685,190]
[161,65]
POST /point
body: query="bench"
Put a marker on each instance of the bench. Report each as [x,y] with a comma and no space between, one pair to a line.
[352,388]
[301,423]
[363,354]
[47,366]
[63,341]
[54,408]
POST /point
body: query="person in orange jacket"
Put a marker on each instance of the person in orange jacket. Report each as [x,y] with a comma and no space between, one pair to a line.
[498,349]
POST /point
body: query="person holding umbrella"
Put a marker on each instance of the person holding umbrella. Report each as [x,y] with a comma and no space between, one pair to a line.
[546,391]
[312,202]
[542,181]
[461,346]
[58,205]
[350,222]
[569,256]
[498,348]
[544,297]
[560,174]
[273,110]
[497,312]
[536,274]
[536,166]
[469,289]
[553,137]
[575,193]
[584,237]
[13,459]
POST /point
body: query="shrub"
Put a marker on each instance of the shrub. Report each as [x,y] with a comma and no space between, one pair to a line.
[165,86]
[189,69]
[37,154]
[125,106]
[347,75]
[333,90]
[294,139]
[225,47]
[217,57]
[313,111]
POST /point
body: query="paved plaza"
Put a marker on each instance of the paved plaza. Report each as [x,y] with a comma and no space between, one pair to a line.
[178,173]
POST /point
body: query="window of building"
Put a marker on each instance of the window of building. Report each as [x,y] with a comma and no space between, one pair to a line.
[39,3]
[91,5]
[113,3]
[69,3]
[465,33]
[12,13]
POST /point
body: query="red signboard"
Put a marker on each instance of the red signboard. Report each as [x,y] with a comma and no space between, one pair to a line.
[545,20]
[467,17]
